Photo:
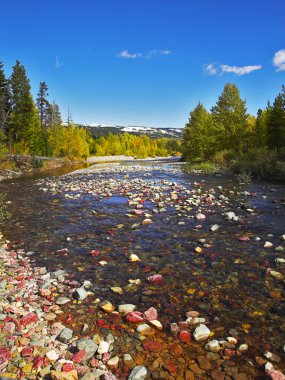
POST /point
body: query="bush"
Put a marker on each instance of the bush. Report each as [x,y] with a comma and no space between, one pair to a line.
[203,168]
[224,157]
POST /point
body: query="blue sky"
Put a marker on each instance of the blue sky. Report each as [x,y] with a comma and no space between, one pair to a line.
[146,62]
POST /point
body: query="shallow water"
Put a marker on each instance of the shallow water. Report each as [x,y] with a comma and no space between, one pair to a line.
[227,282]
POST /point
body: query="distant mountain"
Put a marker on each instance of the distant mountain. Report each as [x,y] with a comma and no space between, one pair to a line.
[99,130]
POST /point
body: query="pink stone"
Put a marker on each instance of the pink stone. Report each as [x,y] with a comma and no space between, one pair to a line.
[63,251]
[150,314]
[9,327]
[184,336]
[106,357]
[5,353]
[244,238]
[79,357]
[275,375]
[44,292]
[156,279]
[134,317]
[183,325]
[67,367]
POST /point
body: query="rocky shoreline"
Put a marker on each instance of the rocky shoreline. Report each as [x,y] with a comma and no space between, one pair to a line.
[37,341]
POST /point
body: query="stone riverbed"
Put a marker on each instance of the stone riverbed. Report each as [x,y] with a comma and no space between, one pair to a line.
[129,271]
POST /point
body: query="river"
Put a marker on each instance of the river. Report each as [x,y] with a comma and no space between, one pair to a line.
[225,278]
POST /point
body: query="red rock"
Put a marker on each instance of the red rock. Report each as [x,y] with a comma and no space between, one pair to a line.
[184,336]
[27,351]
[28,318]
[229,352]
[150,314]
[79,357]
[63,251]
[156,279]
[244,238]
[38,361]
[152,346]
[69,319]
[176,350]
[170,367]
[95,253]
[67,367]
[5,353]
[134,317]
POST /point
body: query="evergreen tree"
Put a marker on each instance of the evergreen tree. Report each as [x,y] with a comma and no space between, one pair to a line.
[5,106]
[43,104]
[276,124]
[230,118]
[24,121]
[261,129]
[198,138]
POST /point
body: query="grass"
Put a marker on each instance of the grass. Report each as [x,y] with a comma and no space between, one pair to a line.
[203,167]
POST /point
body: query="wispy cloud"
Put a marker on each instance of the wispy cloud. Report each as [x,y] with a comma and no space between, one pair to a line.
[58,63]
[239,70]
[211,69]
[127,54]
[279,60]
[148,55]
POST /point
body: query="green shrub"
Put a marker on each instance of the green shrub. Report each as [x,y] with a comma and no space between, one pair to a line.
[203,167]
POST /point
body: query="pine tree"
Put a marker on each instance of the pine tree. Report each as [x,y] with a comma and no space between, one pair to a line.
[24,121]
[261,129]
[276,124]
[198,138]
[5,106]
[43,104]
[230,118]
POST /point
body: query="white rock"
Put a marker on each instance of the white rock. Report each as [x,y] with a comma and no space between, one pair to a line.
[279,260]
[201,333]
[155,323]
[133,258]
[113,363]
[268,244]
[200,216]
[52,355]
[215,227]
[145,329]
[232,340]
[213,346]
[138,373]
[126,308]
[103,347]
[243,347]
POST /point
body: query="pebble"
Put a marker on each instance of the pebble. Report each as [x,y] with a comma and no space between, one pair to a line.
[81,294]
[103,347]
[126,308]
[215,227]
[138,373]
[201,333]
[145,329]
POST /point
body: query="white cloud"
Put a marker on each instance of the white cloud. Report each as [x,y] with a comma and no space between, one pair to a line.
[58,63]
[127,54]
[148,55]
[279,60]
[239,70]
[210,69]
[165,52]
